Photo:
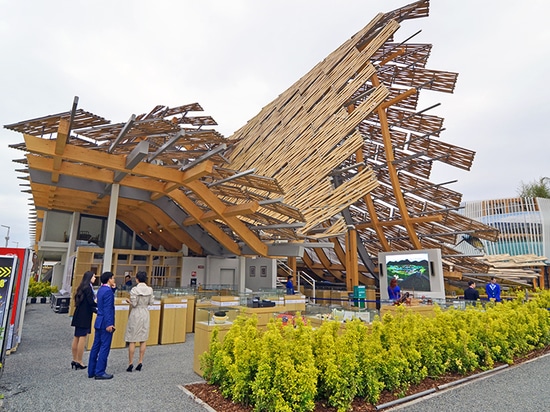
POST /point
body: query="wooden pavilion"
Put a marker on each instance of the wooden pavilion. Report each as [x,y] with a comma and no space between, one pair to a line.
[336,169]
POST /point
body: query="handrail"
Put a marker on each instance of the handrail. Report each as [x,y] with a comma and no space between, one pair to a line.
[308,279]
[301,274]
[286,268]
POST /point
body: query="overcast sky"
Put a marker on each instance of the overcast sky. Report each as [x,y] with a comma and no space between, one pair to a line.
[234,57]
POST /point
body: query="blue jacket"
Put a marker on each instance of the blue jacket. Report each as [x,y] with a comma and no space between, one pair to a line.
[105,308]
[493,291]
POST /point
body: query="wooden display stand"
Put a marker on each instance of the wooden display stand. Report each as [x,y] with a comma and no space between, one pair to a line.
[203,335]
[198,306]
[295,303]
[224,301]
[263,314]
[173,325]
[371,298]
[322,297]
[190,322]
[154,323]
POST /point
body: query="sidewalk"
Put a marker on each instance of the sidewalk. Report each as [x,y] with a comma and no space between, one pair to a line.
[38,376]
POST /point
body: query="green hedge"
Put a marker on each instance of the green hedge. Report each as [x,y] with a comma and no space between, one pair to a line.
[288,368]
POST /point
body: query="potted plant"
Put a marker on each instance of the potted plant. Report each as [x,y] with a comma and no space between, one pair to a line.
[32,292]
[40,290]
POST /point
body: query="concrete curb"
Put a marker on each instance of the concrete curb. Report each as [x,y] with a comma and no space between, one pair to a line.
[405,399]
[469,378]
[435,391]
[197,400]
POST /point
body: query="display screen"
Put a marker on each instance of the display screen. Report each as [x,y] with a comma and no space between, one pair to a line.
[412,270]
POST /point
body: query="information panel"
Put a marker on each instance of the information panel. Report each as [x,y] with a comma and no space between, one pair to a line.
[8,265]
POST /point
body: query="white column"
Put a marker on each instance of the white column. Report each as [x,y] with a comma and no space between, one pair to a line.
[111,225]
[242,274]
[69,256]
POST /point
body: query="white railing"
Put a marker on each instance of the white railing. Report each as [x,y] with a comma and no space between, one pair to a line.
[309,280]
[282,281]
[299,276]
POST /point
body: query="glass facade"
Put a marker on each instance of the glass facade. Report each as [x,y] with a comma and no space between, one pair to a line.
[523,224]
[92,231]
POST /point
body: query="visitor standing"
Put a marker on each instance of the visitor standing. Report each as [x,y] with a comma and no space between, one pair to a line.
[104,328]
[141,296]
[493,290]
[85,306]
[394,291]
[289,285]
[471,295]
[127,283]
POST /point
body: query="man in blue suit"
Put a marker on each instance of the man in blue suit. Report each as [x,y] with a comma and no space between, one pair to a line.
[493,290]
[104,327]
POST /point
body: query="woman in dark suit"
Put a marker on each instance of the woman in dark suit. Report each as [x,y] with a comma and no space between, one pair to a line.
[85,306]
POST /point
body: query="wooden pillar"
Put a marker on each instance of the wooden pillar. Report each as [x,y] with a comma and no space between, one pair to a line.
[352,264]
[291,260]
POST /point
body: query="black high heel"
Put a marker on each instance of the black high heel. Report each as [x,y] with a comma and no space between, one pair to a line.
[79,366]
[73,365]
[138,368]
[129,368]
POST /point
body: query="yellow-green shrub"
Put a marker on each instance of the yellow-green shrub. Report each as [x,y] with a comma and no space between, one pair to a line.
[286,379]
[287,368]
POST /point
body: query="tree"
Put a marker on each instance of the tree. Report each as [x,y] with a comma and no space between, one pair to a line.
[538,188]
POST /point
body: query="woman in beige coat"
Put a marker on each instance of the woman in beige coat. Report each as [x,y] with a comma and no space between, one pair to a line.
[141,296]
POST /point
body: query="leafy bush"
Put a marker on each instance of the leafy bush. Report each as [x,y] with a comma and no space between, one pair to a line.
[287,368]
[287,377]
[37,289]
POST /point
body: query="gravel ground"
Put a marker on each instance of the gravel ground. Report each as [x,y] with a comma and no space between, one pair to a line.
[38,375]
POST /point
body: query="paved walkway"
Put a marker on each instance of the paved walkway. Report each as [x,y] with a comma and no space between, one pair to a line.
[521,388]
[38,376]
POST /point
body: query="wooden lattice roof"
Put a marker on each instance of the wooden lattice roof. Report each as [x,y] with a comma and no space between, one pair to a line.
[349,137]
[74,157]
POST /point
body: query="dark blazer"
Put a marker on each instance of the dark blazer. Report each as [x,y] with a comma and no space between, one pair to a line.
[105,308]
[82,317]
[471,294]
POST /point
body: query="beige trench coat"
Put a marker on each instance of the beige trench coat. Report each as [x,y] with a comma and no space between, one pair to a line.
[141,296]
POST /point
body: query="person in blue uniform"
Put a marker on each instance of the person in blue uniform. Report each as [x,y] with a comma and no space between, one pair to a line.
[394,291]
[289,285]
[493,290]
[104,327]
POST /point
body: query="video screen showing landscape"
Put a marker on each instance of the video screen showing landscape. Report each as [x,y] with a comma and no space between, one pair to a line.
[412,270]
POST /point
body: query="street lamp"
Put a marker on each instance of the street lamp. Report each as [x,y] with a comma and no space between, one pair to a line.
[8,235]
